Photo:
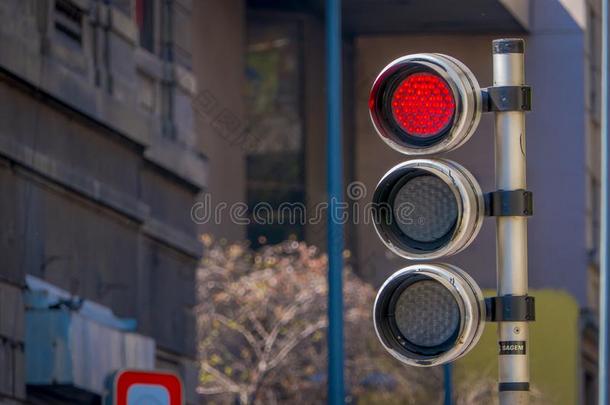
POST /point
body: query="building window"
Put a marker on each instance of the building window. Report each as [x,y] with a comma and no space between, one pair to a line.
[145,18]
[590,389]
[595,36]
[123,5]
[68,22]
[595,190]
[275,158]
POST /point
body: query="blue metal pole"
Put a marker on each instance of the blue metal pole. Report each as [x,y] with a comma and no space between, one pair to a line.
[334,163]
[447,374]
[604,282]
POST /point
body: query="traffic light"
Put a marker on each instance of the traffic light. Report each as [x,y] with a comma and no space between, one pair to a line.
[425,103]
[426,208]
[429,314]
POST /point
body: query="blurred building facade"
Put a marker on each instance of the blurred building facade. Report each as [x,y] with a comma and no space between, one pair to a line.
[279,154]
[99,167]
[114,112]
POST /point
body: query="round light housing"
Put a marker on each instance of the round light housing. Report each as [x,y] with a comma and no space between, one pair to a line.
[427,208]
[429,314]
[425,103]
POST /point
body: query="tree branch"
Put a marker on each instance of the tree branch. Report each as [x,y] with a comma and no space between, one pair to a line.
[230,385]
[258,326]
[231,324]
[294,341]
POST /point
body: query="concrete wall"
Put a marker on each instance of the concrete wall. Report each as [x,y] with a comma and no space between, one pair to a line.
[98,176]
[555,147]
[219,38]
[315,125]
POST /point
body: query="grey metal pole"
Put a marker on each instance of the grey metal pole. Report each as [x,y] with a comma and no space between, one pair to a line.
[604,264]
[511,232]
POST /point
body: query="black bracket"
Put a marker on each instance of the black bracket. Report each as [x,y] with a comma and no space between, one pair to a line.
[511,308]
[507,98]
[517,203]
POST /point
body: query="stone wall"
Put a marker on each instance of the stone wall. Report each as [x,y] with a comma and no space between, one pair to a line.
[99,168]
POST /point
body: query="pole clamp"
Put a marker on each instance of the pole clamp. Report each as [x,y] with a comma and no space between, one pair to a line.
[507,98]
[510,308]
[512,203]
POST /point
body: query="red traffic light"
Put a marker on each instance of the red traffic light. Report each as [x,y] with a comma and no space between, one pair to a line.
[425,103]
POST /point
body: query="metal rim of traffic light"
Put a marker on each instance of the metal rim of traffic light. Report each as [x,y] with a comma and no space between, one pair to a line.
[446,73]
[411,331]
[427,208]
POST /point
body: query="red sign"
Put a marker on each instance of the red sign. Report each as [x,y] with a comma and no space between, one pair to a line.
[139,387]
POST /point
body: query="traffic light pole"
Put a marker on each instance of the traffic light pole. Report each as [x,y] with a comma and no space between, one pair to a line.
[511,232]
[336,388]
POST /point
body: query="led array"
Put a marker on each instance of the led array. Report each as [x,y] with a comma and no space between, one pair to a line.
[423,104]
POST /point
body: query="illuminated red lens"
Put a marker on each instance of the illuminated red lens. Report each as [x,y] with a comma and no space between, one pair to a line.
[423,104]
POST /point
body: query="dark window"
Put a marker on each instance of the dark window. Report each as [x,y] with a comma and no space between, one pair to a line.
[590,389]
[595,190]
[595,35]
[275,157]
[68,19]
[145,18]
[123,5]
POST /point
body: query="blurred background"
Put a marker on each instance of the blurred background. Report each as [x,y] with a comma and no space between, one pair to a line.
[121,119]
